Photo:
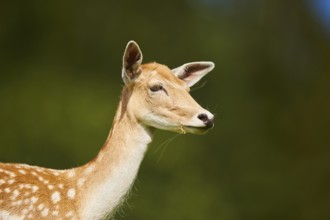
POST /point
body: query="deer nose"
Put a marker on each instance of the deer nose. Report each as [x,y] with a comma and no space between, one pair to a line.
[208,120]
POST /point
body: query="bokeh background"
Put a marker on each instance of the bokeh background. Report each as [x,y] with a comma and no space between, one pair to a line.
[268,156]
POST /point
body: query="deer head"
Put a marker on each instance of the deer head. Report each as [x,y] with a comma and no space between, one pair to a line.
[158,97]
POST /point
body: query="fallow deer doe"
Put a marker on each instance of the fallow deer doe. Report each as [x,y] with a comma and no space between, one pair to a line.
[153,97]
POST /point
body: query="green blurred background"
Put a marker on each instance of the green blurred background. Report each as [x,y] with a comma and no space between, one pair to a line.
[268,156]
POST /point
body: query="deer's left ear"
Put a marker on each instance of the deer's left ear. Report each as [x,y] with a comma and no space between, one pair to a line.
[191,73]
[132,60]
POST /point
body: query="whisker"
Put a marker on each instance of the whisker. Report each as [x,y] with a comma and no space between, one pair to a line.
[164,146]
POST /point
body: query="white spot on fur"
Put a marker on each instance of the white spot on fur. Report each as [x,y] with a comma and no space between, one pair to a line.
[12,175]
[69,214]
[44,212]
[18,202]
[81,182]
[22,172]
[40,206]
[71,173]
[56,197]
[40,170]
[71,193]
[25,211]
[27,186]
[31,207]
[34,188]
[15,194]
[34,199]
[89,170]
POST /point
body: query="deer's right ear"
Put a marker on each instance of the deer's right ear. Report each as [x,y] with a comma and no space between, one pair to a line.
[131,62]
[191,73]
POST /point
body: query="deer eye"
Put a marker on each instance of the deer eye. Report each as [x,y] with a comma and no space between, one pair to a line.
[156,88]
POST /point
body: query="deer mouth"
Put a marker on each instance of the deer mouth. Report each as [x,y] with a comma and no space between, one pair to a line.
[197,129]
[200,128]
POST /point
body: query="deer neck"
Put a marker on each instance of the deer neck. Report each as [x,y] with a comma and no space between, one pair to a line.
[107,179]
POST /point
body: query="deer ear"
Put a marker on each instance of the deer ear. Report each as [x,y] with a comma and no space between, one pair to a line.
[132,60]
[191,73]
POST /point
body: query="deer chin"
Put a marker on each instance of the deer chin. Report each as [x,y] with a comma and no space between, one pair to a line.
[183,129]
[196,127]
[196,130]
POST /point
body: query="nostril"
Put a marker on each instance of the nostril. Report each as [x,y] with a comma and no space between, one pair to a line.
[209,123]
[203,117]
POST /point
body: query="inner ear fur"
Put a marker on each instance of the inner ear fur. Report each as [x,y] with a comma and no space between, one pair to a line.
[132,60]
[192,72]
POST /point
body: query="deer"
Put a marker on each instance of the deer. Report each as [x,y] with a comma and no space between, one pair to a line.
[153,97]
